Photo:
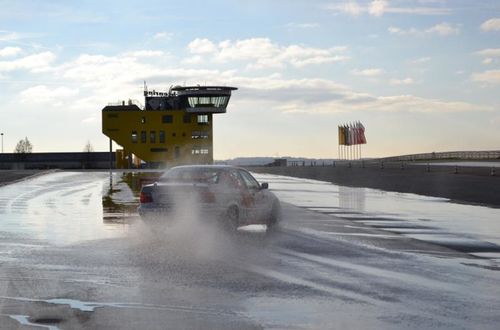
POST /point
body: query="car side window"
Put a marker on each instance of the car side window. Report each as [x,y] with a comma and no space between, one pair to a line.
[237,179]
[230,179]
[250,182]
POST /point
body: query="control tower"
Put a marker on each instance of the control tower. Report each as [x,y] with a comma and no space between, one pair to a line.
[173,127]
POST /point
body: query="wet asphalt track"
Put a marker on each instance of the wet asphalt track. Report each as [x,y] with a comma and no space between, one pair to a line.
[73,254]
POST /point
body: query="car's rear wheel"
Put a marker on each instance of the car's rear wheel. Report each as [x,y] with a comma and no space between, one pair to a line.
[232,218]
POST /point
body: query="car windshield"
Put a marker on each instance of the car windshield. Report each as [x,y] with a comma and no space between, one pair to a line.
[204,175]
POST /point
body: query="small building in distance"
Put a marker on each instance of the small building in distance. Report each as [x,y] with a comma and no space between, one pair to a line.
[173,128]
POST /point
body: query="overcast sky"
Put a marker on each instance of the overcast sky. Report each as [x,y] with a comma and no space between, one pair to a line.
[421,75]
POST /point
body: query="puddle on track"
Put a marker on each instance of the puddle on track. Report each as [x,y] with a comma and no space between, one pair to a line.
[68,207]
[467,228]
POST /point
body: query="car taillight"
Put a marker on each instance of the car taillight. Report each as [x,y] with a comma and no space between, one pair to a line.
[145,197]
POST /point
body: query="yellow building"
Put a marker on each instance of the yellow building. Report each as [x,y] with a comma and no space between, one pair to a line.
[173,128]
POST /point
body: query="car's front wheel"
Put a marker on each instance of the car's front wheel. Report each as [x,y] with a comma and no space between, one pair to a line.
[275,216]
[232,218]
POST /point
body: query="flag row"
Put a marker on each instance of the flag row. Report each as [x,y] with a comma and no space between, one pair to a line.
[352,134]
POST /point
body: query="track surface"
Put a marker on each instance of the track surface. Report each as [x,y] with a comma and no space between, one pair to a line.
[74,254]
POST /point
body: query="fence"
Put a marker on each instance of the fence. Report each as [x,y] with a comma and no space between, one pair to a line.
[450,155]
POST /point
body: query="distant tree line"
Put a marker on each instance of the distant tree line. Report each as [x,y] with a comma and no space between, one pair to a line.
[24,146]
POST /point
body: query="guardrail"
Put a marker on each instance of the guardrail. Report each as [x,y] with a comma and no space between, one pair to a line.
[450,155]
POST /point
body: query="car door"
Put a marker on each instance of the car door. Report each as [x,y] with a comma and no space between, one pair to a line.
[255,197]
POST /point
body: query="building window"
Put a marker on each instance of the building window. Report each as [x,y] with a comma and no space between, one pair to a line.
[186,119]
[199,135]
[202,119]
[134,136]
[207,101]
[143,120]
[199,151]
[167,119]
[162,137]
[152,136]
[143,136]
[158,149]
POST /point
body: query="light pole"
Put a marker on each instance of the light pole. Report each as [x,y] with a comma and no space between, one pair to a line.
[2,141]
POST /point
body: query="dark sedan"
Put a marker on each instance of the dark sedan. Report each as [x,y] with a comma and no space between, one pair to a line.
[227,194]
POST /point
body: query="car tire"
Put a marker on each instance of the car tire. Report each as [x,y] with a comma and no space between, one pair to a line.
[275,216]
[232,218]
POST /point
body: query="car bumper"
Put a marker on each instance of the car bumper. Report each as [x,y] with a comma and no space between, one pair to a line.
[169,213]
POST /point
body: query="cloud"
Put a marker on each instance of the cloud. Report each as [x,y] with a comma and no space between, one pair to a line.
[491,25]
[263,53]
[163,35]
[327,97]
[107,78]
[42,94]
[15,36]
[378,8]
[491,55]
[372,72]
[145,53]
[488,77]
[89,120]
[401,32]
[196,59]
[487,61]
[419,11]
[421,60]
[103,72]
[34,63]
[302,25]
[10,51]
[352,8]
[442,29]
[10,36]
[405,81]
[201,46]
[101,79]
[489,52]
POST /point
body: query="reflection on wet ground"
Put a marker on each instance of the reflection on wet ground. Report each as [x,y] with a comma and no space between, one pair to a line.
[58,207]
[120,201]
[66,207]
[466,228]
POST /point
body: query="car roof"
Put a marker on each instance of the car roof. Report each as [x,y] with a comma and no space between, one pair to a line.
[219,167]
